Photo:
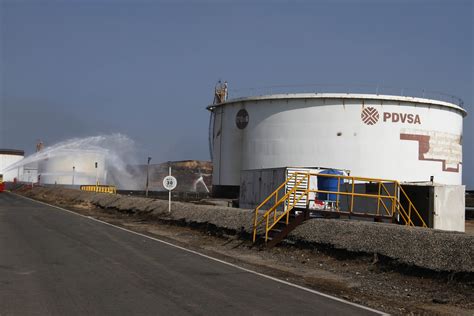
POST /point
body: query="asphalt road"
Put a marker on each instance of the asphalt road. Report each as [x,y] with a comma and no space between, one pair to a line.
[56,263]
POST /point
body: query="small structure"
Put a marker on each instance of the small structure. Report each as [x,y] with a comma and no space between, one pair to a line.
[220,92]
[443,205]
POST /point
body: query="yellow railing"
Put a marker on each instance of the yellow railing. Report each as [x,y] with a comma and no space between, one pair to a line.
[273,215]
[99,188]
[273,211]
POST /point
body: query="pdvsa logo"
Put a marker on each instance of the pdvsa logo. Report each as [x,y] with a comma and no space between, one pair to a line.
[370,116]
[401,117]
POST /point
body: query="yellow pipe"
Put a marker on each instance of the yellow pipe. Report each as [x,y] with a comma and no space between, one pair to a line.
[351,177]
[414,208]
[385,207]
[284,198]
[269,197]
[273,208]
[355,194]
[386,191]
[378,200]
[266,231]
[395,195]
[352,199]
[282,215]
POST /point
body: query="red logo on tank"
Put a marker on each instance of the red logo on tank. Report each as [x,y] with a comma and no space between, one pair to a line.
[370,116]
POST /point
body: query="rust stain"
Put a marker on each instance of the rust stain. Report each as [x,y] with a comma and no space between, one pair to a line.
[424,147]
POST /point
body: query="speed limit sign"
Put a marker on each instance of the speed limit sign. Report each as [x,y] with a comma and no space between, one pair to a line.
[169,183]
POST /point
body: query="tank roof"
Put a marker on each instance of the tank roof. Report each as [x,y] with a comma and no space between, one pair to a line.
[14,152]
[283,96]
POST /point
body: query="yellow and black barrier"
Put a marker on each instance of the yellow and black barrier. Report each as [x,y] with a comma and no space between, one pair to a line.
[99,188]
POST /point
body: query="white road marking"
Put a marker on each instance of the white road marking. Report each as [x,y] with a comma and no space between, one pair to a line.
[213,259]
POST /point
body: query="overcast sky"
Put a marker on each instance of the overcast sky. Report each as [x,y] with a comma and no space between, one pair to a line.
[147,69]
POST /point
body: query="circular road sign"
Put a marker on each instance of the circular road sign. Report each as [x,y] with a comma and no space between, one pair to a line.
[170,182]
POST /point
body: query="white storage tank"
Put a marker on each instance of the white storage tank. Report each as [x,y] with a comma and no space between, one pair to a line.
[73,167]
[9,157]
[380,136]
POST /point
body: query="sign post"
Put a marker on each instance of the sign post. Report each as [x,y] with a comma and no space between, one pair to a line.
[169,183]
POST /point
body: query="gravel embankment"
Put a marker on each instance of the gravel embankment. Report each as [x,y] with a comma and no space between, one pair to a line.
[421,247]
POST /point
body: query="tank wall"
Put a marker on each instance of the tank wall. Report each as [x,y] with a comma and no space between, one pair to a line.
[227,146]
[28,175]
[59,169]
[7,160]
[394,140]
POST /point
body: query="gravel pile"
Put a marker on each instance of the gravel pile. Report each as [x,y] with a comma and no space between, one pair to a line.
[235,219]
[426,248]
[223,217]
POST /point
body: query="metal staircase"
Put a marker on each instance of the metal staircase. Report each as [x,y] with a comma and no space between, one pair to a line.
[289,205]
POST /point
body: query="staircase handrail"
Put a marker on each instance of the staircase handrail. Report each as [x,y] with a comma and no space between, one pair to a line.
[410,207]
[278,203]
[286,212]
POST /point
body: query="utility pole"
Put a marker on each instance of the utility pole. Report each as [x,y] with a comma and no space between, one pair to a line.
[147,176]
[169,191]
[96,174]
[73,173]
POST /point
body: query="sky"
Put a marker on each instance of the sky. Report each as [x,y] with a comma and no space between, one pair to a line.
[147,69]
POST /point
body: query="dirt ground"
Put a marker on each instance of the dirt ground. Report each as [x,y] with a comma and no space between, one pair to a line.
[361,278]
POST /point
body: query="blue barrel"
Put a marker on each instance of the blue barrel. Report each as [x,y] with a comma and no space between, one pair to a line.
[329,184]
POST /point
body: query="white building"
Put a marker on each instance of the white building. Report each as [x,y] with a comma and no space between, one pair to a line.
[7,158]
